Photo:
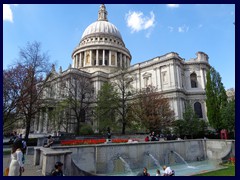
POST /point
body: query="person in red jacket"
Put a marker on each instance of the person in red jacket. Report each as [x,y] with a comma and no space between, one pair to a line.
[146,139]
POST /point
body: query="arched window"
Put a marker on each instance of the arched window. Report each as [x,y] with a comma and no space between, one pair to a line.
[193,78]
[198,109]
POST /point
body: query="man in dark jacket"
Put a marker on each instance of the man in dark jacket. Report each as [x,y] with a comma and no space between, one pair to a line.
[58,169]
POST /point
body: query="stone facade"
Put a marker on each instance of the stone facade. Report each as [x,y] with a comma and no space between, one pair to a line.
[102,52]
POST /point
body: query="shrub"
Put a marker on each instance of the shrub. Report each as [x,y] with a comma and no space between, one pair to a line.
[86,130]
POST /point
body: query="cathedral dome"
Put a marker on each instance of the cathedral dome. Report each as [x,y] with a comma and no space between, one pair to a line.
[101,47]
[102,27]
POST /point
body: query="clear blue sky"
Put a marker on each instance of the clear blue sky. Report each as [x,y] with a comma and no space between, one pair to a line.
[148,30]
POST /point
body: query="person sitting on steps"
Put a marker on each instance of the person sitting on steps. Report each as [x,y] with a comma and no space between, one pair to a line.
[49,142]
[168,171]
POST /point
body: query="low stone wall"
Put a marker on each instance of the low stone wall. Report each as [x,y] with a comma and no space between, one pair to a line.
[47,157]
[104,158]
[220,149]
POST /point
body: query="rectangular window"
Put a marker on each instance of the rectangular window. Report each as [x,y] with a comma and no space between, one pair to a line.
[164,77]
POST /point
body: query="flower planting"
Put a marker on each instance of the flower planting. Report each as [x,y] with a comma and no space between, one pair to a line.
[231,160]
[90,141]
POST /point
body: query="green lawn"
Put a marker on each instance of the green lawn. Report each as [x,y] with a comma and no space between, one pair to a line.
[229,171]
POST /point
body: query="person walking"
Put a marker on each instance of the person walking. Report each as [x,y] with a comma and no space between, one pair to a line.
[16,167]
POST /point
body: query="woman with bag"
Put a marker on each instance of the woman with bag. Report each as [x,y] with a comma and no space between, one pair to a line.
[6,171]
[16,167]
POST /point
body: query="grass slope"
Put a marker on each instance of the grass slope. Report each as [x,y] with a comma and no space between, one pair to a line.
[229,171]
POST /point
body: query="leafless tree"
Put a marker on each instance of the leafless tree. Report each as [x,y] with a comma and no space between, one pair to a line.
[153,109]
[35,67]
[12,84]
[80,96]
[123,84]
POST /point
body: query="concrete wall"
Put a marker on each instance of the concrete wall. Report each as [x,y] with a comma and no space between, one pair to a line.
[104,158]
[220,149]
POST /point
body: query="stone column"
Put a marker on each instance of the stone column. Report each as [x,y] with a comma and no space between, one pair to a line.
[124,61]
[203,78]
[116,59]
[97,61]
[43,121]
[77,61]
[110,58]
[178,107]
[160,78]
[121,59]
[103,63]
[40,125]
[84,59]
[181,108]
[156,76]
[174,72]
[37,122]
[178,79]
[181,77]
[90,57]
[80,59]
[46,121]
[169,73]
[74,61]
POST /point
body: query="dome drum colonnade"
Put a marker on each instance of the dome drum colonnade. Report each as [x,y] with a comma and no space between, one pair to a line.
[101,45]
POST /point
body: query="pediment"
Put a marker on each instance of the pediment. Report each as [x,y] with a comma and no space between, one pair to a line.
[147,74]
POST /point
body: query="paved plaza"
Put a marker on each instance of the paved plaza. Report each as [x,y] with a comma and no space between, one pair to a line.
[30,169]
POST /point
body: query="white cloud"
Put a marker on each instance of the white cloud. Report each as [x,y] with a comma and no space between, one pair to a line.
[170,28]
[137,21]
[183,28]
[148,34]
[173,5]
[7,13]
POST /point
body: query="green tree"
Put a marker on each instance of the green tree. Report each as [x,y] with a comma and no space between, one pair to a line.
[216,99]
[135,123]
[190,125]
[179,127]
[228,116]
[106,107]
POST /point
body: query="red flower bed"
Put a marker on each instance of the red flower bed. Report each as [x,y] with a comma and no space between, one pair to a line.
[232,160]
[89,141]
[119,140]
